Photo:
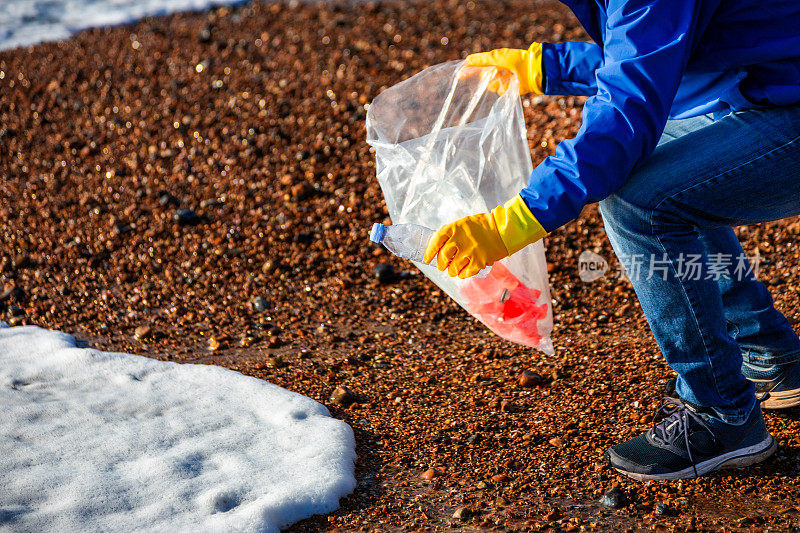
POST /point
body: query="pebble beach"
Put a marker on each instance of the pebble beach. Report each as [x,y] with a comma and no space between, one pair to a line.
[197,187]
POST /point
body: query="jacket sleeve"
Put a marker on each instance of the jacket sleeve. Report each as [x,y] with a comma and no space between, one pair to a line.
[647,44]
[569,68]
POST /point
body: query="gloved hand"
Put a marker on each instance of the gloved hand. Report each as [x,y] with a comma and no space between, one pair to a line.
[526,64]
[466,246]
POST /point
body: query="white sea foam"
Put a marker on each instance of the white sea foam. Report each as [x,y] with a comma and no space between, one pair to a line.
[25,22]
[94,441]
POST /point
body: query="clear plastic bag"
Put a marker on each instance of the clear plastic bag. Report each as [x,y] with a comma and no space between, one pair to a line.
[447,147]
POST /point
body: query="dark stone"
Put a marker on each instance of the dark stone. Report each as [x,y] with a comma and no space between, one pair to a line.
[613,498]
[260,304]
[123,228]
[186,217]
[385,273]
[662,509]
[204,35]
[303,238]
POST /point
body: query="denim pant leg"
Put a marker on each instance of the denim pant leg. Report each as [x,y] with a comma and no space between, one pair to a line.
[741,169]
[764,335]
[762,332]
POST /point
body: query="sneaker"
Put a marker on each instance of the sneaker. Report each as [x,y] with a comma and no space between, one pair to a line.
[781,381]
[777,386]
[689,442]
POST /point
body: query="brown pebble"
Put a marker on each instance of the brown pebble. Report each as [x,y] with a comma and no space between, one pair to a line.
[343,396]
[268,267]
[142,332]
[20,261]
[12,292]
[275,361]
[429,474]
[528,379]
[214,344]
[462,513]
[554,514]
[300,191]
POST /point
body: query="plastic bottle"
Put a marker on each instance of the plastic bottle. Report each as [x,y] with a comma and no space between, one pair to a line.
[408,241]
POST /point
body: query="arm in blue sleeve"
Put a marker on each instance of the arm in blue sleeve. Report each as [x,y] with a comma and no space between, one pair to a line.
[569,68]
[647,44]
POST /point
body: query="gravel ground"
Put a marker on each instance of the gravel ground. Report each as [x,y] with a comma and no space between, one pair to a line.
[198,188]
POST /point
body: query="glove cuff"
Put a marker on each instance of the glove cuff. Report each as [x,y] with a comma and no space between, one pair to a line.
[516,225]
[535,69]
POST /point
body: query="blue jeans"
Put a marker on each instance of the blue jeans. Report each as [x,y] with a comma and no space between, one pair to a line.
[671,226]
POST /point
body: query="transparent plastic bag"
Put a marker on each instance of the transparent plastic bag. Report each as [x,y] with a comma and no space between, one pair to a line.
[447,147]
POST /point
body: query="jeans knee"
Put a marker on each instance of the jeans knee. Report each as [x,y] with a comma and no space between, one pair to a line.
[620,213]
[610,209]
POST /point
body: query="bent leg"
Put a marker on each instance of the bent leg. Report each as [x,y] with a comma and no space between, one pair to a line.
[763,333]
[741,169]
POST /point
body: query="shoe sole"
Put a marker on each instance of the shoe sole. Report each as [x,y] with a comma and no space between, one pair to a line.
[781,399]
[735,459]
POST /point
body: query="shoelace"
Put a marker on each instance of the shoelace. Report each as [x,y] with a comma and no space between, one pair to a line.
[674,416]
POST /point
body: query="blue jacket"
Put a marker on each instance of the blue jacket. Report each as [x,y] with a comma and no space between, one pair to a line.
[654,60]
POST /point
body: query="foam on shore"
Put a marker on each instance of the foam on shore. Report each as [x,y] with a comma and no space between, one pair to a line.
[26,22]
[96,441]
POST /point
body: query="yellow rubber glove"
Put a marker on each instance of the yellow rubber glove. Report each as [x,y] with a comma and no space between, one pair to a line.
[526,64]
[466,246]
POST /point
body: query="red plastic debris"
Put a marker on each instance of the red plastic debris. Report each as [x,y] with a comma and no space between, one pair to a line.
[506,305]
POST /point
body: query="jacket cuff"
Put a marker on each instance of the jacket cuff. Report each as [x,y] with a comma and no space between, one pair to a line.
[516,225]
[552,201]
[551,70]
[569,68]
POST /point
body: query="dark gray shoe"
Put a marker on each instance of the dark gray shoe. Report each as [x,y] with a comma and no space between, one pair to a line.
[777,384]
[781,381]
[688,442]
